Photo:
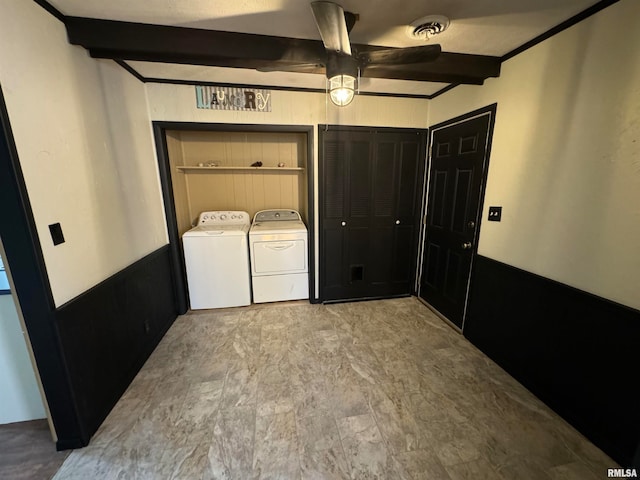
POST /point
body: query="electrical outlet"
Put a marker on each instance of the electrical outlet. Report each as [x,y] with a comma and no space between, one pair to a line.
[495,214]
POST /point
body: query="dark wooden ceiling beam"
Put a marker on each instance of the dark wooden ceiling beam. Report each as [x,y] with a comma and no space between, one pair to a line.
[158,43]
[155,41]
[211,61]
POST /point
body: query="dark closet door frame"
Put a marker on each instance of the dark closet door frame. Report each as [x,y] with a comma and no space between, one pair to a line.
[424,132]
[33,291]
[175,247]
[488,110]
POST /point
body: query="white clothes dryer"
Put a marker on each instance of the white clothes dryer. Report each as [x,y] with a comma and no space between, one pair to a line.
[216,257]
[279,256]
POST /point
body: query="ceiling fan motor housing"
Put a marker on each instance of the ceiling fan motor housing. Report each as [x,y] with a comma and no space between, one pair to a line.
[340,64]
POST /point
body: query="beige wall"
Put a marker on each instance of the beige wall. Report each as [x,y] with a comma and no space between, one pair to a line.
[565,159]
[84,141]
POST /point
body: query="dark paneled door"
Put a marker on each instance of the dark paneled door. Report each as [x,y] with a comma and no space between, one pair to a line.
[346,177]
[455,183]
[369,220]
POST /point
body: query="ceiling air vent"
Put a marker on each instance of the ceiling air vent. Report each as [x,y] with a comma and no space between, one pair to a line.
[426,27]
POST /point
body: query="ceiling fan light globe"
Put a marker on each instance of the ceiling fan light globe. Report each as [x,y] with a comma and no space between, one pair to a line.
[342,96]
[342,89]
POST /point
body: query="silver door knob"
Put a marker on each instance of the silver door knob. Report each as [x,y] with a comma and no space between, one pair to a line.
[397,222]
[466,245]
[344,223]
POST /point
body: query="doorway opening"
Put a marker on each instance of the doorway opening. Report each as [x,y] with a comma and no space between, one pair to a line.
[211,166]
[31,288]
[21,396]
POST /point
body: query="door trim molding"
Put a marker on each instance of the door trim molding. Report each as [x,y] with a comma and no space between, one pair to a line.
[489,110]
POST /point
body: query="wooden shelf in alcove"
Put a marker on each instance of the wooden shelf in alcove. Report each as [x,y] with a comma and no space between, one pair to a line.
[185,168]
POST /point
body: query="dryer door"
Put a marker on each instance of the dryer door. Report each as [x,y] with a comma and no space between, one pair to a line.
[279,257]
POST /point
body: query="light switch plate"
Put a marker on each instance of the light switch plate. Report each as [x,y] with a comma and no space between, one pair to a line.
[495,214]
[56,233]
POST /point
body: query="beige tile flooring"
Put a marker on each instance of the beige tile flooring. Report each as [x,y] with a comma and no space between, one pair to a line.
[367,390]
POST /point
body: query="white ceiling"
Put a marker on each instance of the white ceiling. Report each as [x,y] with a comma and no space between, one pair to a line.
[484,27]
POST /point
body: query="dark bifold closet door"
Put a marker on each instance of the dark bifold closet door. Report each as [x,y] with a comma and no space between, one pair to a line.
[371,181]
[455,181]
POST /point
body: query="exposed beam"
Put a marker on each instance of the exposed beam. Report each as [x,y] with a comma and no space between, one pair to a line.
[159,43]
[252,63]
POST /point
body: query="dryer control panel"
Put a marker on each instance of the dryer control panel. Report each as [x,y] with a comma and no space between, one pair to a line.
[224,217]
[276,215]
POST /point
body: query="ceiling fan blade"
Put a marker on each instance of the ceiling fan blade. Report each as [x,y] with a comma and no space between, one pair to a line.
[447,68]
[400,56]
[330,20]
[294,68]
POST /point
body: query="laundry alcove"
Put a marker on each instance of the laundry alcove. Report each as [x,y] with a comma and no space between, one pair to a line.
[206,167]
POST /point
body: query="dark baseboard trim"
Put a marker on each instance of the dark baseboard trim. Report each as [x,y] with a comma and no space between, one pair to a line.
[108,332]
[576,351]
[70,444]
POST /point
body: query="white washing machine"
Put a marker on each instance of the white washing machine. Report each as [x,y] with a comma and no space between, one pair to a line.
[279,258]
[216,257]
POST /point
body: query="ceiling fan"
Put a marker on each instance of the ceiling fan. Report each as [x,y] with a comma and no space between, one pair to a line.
[342,65]
[335,56]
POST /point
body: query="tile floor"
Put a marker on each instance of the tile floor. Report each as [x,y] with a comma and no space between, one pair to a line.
[367,390]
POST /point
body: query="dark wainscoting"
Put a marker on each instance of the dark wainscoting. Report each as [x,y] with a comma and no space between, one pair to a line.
[577,352]
[108,332]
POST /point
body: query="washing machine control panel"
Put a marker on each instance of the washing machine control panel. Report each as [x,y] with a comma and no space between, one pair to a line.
[224,217]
